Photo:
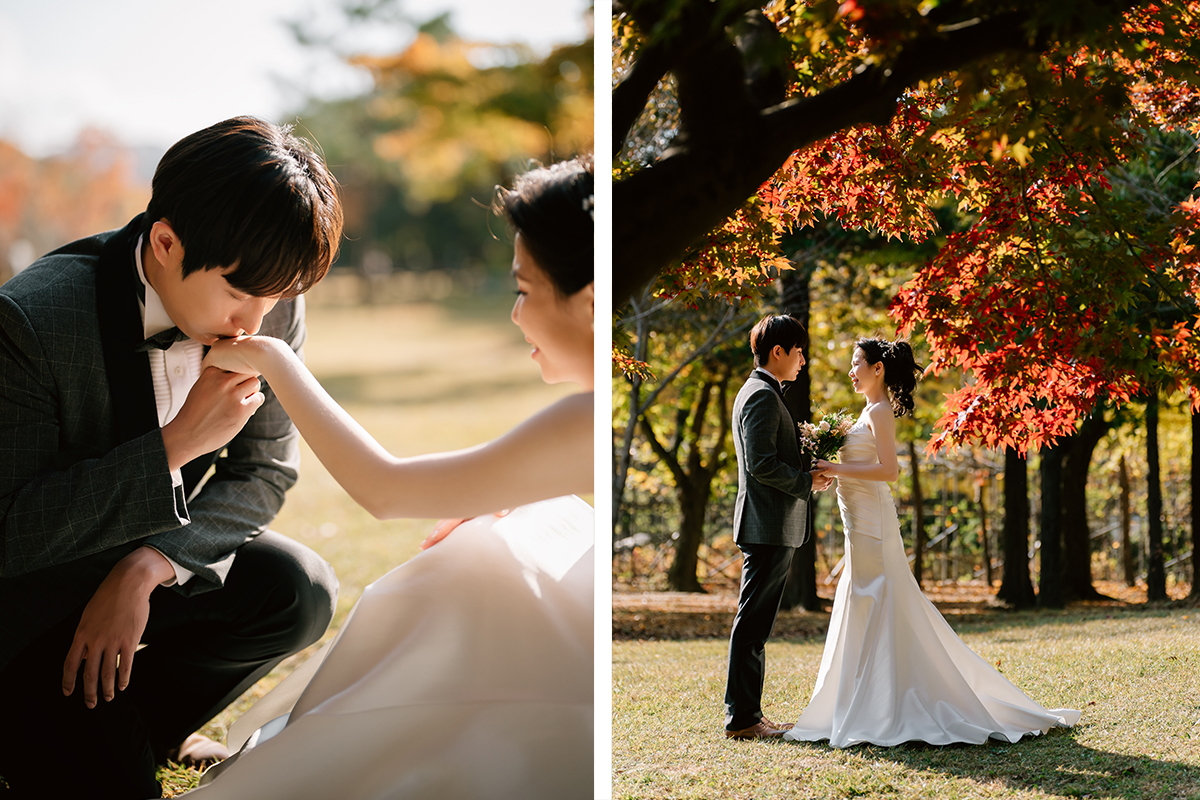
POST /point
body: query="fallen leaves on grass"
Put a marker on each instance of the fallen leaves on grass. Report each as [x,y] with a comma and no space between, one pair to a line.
[681,615]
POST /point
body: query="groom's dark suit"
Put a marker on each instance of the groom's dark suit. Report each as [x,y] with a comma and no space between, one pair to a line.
[769,521]
[84,481]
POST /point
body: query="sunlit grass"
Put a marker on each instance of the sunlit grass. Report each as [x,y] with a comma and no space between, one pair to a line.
[1135,675]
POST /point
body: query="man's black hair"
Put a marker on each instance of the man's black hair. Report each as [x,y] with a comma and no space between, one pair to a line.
[252,195]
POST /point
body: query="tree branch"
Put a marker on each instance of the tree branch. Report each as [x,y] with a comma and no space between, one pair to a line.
[714,461]
[663,454]
[715,339]
[696,186]
[629,97]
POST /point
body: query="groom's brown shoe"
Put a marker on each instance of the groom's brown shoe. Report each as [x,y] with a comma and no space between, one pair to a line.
[783,726]
[760,730]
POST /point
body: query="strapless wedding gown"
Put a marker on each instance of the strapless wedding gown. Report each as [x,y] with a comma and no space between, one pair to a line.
[464,673]
[893,671]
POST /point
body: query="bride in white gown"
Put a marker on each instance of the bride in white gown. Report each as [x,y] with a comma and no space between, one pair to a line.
[466,672]
[893,671]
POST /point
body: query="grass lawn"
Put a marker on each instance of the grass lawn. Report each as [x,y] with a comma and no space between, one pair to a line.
[421,378]
[1135,674]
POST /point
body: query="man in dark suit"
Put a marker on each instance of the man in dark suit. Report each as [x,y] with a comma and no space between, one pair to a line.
[770,515]
[136,486]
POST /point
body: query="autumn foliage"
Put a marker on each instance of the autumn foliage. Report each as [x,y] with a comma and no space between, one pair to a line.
[1061,286]
[45,203]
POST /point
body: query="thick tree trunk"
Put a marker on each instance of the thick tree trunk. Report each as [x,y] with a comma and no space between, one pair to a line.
[1077,543]
[1195,492]
[693,483]
[1016,588]
[1126,539]
[1156,576]
[801,588]
[984,537]
[681,577]
[1050,584]
[918,502]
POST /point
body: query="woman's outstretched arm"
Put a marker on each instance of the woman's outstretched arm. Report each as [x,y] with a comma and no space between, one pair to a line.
[547,455]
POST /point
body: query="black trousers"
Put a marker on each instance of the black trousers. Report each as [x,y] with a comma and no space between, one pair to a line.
[764,573]
[200,654]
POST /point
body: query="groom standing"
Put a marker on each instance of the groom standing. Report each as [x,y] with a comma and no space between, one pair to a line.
[125,469]
[770,515]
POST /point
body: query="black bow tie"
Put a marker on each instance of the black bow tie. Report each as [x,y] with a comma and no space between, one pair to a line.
[162,340]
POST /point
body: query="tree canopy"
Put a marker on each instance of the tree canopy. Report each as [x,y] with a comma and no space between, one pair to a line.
[737,122]
[445,121]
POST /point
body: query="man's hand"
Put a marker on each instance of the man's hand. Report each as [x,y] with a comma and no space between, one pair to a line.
[112,624]
[215,410]
[821,480]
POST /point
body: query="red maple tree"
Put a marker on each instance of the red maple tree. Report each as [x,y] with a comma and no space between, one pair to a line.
[1061,290]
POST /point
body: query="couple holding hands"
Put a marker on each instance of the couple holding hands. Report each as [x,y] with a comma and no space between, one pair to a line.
[892,670]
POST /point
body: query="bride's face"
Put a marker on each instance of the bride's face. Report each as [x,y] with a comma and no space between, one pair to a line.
[559,328]
[864,376]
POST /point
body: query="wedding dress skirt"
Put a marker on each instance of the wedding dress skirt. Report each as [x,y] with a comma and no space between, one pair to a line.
[464,673]
[893,671]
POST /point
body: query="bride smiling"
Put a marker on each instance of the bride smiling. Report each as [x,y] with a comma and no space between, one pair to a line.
[466,672]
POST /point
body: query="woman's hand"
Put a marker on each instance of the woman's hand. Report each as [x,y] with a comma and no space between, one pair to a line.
[234,355]
[827,468]
[443,527]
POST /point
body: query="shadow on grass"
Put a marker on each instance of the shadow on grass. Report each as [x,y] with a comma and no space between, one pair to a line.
[798,626]
[1054,763]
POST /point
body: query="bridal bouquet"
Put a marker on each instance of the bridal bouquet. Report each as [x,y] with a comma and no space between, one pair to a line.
[824,439]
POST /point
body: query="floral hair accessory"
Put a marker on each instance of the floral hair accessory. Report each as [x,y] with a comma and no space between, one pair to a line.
[589,205]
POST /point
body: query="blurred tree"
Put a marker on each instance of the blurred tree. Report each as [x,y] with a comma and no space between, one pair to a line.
[45,203]
[684,415]
[1014,111]
[445,122]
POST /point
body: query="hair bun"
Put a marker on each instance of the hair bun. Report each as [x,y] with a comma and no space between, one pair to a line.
[900,370]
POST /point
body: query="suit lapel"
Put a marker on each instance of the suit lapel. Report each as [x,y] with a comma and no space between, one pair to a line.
[121,331]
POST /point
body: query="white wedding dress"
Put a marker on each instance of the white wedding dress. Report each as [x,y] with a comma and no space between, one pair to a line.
[893,671]
[464,673]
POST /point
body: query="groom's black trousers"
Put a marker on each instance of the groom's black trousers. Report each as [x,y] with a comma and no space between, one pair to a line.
[764,573]
[200,653]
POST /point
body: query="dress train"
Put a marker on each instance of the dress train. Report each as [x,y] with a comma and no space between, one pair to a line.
[464,673]
[893,670]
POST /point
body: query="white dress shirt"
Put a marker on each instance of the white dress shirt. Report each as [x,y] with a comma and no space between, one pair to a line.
[174,372]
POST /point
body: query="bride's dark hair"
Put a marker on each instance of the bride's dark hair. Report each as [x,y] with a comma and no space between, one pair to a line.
[552,208]
[900,370]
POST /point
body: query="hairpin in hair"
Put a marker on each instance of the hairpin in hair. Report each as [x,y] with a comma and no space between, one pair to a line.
[589,204]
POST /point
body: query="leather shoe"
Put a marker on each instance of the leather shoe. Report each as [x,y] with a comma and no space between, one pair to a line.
[759,730]
[783,726]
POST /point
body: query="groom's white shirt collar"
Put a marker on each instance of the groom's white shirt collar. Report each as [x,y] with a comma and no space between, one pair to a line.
[777,382]
[154,316]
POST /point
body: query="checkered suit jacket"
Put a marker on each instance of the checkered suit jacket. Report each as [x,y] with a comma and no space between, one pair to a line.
[773,487]
[83,471]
